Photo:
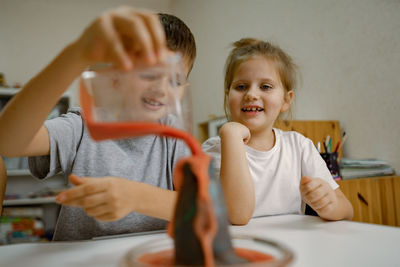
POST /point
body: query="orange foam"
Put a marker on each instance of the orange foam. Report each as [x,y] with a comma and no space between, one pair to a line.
[166,257]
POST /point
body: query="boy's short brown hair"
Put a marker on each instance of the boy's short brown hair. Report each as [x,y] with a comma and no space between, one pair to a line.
[179,37]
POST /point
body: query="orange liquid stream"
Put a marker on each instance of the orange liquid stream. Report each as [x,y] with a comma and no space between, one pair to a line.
[166,257]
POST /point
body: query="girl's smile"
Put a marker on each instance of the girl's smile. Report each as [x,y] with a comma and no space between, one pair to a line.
[252,110]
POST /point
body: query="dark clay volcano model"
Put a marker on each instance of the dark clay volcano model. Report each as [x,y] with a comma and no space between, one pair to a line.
[200,225]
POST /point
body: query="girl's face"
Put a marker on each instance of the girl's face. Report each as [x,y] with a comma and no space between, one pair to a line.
[256,96]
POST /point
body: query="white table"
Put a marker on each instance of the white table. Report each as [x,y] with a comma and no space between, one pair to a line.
[315,243]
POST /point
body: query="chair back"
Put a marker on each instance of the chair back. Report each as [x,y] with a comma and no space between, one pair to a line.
[317,131]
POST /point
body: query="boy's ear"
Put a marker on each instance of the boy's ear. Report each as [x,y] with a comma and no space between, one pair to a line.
[287,101]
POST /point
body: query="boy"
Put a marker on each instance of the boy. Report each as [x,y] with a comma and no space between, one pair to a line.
[126,37]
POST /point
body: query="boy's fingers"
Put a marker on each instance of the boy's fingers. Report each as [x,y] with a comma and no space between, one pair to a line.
[72,203]
[75,180]
[115,45]
[138,37]
[78,202]
[120,56]
[80,191]
[157,33]
[107,217]
[94,200]
[98,210]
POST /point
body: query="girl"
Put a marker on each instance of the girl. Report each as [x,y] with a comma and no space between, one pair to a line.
[264,170]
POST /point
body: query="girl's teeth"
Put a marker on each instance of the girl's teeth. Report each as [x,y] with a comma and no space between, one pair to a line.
[252,109]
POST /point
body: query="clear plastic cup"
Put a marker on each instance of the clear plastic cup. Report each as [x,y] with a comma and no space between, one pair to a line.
[280,255]
[144,94]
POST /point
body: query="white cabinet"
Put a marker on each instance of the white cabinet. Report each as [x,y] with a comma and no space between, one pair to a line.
[26,194]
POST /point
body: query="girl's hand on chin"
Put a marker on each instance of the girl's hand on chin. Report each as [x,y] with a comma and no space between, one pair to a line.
[235,129]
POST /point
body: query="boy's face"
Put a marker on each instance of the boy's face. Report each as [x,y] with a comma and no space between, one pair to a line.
[145,94]
[159,90]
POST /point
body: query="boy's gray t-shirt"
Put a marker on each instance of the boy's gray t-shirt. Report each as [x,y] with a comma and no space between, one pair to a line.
[148,159]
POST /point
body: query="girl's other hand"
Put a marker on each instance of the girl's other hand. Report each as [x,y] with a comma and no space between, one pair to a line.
[235,130]
[318,194]
[125,37]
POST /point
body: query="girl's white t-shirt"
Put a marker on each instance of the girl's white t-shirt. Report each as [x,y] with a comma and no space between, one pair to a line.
[276,173]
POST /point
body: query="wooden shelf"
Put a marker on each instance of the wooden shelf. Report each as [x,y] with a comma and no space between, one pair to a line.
[29,201]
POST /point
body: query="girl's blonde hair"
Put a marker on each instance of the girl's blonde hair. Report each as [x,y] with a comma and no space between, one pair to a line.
[248,48]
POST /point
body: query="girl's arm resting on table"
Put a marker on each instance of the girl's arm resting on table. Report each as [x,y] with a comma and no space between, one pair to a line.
[112,198]
[235,177]
[328,203]
[345,208]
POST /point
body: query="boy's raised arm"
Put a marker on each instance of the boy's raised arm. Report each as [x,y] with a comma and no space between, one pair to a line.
[22,119]
[125,37]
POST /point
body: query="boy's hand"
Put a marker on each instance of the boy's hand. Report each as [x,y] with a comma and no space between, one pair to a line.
[318,194]
[235,129]
[125,37]
[106,199]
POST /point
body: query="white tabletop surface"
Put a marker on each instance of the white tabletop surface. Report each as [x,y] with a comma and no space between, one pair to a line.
[315,243]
